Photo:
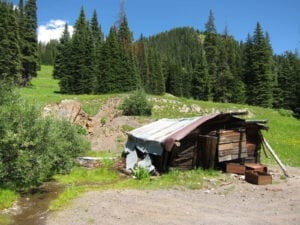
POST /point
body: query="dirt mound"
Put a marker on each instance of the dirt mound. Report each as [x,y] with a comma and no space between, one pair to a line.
[106,130]
[109,127]
[70,110]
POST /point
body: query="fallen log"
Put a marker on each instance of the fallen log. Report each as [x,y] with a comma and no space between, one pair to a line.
[275,157]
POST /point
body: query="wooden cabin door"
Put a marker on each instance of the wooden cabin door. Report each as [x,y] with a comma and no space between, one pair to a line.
[207,149]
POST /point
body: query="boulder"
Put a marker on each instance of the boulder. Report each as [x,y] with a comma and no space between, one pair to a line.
[71,111]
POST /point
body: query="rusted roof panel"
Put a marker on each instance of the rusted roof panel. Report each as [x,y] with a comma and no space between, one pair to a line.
[168,131]
[161,129]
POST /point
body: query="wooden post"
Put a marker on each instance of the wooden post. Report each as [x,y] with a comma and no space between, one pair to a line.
[275,157]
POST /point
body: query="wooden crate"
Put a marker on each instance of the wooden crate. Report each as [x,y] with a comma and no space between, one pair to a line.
[256,177]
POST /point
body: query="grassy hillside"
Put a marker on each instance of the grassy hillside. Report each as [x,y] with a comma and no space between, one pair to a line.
[284,133]
[45,90]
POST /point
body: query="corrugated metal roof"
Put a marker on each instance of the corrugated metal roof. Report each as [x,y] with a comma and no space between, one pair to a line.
[162,129]
[168,131]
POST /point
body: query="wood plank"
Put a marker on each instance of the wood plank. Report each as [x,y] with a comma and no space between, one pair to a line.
[232,157]
[232,138]
[232,146]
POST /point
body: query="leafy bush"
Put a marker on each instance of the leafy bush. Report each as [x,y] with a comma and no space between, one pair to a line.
[33,148]
[141,173]
[285,112]
[136,104]
[103,120]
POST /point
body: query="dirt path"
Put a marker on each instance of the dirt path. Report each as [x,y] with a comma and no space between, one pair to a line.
[235,203]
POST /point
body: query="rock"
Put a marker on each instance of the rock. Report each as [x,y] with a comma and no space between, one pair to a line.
[69,110]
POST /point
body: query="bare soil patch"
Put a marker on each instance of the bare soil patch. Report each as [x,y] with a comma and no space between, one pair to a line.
[105,129]
[107,133]
[237,202]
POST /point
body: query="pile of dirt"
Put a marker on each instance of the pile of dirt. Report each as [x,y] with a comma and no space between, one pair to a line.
[69,110]
[106,130]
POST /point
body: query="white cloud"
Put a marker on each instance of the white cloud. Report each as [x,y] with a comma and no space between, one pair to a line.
[52,30]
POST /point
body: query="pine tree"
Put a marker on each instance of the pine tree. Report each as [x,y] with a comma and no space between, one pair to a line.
[97,34]
[156,78]
[187,76]
[82,52]
[143,66]
[288,78]
[128,77]
[210,25]
[98,41]
[233,55]
[201,83]
[259,72]
[62,62]
[110,64]
[47,52]
[29,41]
[174,82]
[211,51]
[248,69]
[225,78]
[10,56]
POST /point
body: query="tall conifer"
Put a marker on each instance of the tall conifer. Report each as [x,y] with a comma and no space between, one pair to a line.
[128,76]
[143,66]
[82,62]
[29,41]
[63,62]
[110,64]
[201,83]
[259,75]
[211,52]
[210,24]
[10,56]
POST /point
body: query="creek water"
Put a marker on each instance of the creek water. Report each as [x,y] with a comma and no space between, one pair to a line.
[32,207]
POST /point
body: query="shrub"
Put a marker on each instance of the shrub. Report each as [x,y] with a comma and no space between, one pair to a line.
[126,128]
[141,173]
[33,148]
[136,104]
[285,112]
[103,120]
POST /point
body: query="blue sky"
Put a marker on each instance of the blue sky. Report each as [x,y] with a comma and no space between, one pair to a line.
[280,18]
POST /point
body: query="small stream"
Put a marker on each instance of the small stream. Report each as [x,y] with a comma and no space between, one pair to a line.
[32,207]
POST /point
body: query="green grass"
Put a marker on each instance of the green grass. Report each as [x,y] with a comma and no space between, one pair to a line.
[81,180]
[64,199]
[45,89]
[80,175]
[7,198]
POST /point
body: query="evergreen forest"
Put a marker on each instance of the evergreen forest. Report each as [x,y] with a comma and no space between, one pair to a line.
[185,62]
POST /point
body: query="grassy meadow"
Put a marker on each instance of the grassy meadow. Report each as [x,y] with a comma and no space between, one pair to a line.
[45,89]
